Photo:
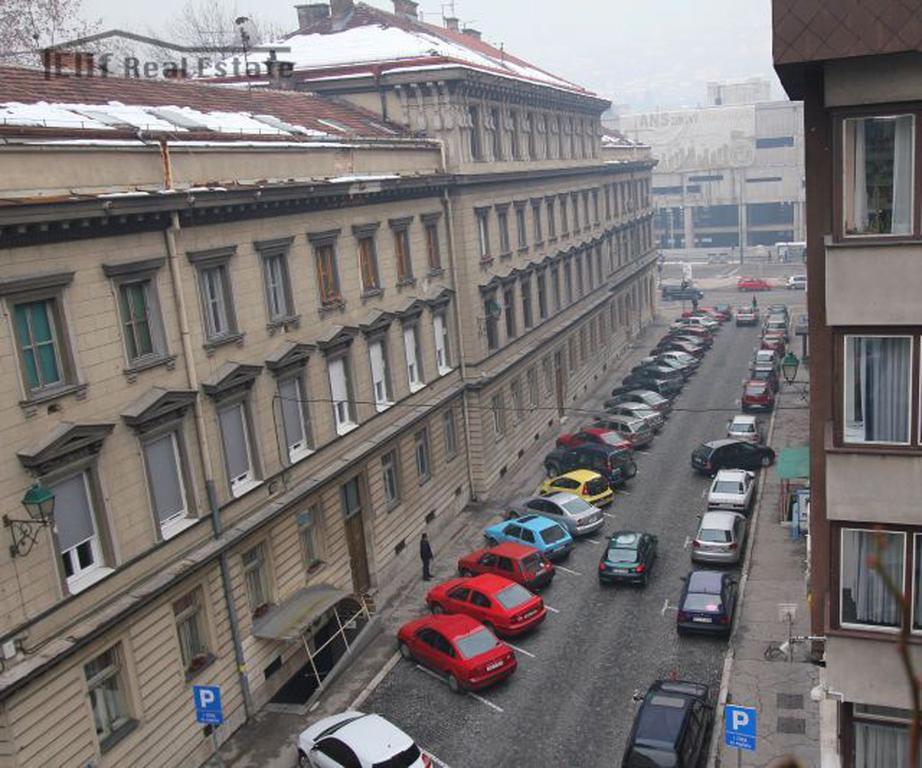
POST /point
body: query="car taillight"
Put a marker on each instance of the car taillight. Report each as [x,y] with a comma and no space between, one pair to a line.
[427,761]
[602,566]
[683,616]
[733,545]
[640,568]
[723,619]
[696,544]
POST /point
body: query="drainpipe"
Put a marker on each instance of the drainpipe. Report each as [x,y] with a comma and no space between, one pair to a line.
[462,365]
[182,314]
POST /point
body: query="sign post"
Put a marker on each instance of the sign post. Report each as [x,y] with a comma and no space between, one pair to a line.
[208,710]
[740,730]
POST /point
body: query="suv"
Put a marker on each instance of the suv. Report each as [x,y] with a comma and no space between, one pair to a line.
[712,456]
[615,465]
[672,726]
[682,293]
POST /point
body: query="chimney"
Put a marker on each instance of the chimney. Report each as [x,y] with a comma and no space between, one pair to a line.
[340,9]
[452,24]
[471,32]
[406,9]
[312,15]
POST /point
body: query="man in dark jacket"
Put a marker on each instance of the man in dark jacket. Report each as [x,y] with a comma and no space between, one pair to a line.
[425,554]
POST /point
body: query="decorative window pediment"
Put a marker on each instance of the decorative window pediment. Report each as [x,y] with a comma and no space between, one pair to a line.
[66,443]
[156,406]
[230,379]
[410,311]
[376,323]
[291,354]
[441,299]
[337,338]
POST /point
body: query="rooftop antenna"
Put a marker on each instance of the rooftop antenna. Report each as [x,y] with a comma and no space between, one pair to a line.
[241,22]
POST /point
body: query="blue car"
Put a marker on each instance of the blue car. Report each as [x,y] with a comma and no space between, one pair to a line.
[548,537]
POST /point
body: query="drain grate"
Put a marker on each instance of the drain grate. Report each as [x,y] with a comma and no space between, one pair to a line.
[790,701]
[792,725]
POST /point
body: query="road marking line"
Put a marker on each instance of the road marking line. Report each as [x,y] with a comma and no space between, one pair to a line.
[704,493]
[375,681]
[688,542]
[429,672]
[434,759]
[594,541]
[482,700]
[609,514]
[520,650]
[552,610]
[567,570]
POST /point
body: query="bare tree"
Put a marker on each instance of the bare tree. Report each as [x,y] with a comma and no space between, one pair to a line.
[212,25]
[29,26]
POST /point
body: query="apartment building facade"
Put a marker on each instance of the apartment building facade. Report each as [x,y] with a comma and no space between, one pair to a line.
[255,342]
[857,71]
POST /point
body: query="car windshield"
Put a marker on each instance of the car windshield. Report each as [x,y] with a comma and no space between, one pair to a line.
[575,507]
[404,759]
[755,389]
[742,429]
[644,412]
[714,535]
[513,596]
[653,399]
[704,603]
[477,642]
[621,555]
[552,534]
[727,486]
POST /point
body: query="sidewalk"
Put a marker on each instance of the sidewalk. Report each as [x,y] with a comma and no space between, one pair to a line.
[788,720]
[268,740]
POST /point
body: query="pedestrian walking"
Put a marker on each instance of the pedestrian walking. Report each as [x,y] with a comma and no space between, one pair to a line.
[755,303]
[425,554]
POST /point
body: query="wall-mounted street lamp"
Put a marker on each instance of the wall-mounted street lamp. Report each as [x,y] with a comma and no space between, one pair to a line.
[39,504]
[789,367]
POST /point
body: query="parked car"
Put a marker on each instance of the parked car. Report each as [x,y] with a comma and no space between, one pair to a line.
[681,357]
[502,606]
[594,435]
[660,370]
[634,428]
[359,740]
[724,309]
[715,455]
[746,316]
[774,341]
[647,379]
[768,374]
[732,489]
[653,419]
[779,309]
[516,562]
[659,362]
[696,321]
[758,396]
[670,344]
[700,335]
[579,517]
[671,728]
[645,397]
[720,538]
[628,557]
[766,357]
[616,465]
[459,647]
[680,292]
[707,603]
[776,325]
[752,284]
[797,283]
[549,538]
[744,427]
[590,486]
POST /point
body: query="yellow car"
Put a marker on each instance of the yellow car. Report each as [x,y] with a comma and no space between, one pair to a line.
[590,486]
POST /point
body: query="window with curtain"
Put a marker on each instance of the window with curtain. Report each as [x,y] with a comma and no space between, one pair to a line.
[509,312]
[411,349]
[190,629]
[442,348]
[368,264]
[309,535]
[39,344]
[881,737]
[423,466]
[390,479]
[256,578]
[878,175]
[863,595]
[108,695]
[917,583]
[877,381]
[449,434]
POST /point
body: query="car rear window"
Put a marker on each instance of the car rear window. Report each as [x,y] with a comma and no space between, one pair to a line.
[702,452]
[755,389]
[742,429]
[714,535]
[703,603]
[513,596]
[728,486]
[596,486]
[531,563]
[552,534]
[661,721]
[403,759]
[477,642]
[621,555]
[612,438]
[573,507]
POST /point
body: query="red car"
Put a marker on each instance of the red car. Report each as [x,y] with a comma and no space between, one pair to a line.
[501,605]
[711,312]
[774,342]
[758,395]
[523,565]
[459,647]
[593,434]
[752,284]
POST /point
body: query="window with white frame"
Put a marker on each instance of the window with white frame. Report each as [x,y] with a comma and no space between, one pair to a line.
[278,287]
[107,689]
[877,383]
[917,583]
[256,578]
[141,322]
[390,478]
[483,233]
[239,455]
[77,529]
[380,380]
[189,616]
[498,413]
[341,391]
[864,597]
[164,459]
[442,348]
[217,302]
[450,434]
[295,418]
[878,175]
[309,535]
[41,341]
[423,463]
[411,350]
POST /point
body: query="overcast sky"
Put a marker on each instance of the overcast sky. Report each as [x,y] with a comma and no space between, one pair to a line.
[641,54]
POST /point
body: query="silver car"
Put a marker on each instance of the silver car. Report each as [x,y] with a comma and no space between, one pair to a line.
[720,538]
[743,427]
[732,489]
[653,419]
[568,509]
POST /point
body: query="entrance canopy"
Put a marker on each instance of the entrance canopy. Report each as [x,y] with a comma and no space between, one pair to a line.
[289,620]
[794,463]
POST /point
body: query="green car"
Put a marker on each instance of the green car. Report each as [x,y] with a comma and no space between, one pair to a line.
[628,557]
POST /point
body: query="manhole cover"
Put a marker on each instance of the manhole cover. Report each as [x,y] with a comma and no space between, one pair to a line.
[790,701]
[792,725]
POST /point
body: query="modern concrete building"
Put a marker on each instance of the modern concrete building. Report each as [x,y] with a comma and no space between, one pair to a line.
[727,174]
[858,70]
[255,342]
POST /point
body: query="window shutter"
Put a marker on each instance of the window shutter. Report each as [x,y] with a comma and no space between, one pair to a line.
[233,433]
[376,353]
[165,482]
[73,514]
[292,412]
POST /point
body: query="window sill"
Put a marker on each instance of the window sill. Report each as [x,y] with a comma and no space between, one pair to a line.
[551,240]
[486,261]
[424,480]
[77,585]
[372,293]
[196,669]
[445,371]
[345,429]
[177,526]
[244,488]
[315,567]
[115,738]
[296,456]
[284,323]
[145,364]
[436,272]
[873,449]
[414,388]
[506,255]
[48,396]
[232,338]
[382,407]
[539,243]
[885,635]
[335,305]
[406,281]
[523,249]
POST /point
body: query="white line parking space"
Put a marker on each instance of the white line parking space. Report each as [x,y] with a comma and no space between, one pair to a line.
[551,609]
[592,541]
[439,763]
[567,570]
[520,650]
[375,681]
[481,699]
[609,515]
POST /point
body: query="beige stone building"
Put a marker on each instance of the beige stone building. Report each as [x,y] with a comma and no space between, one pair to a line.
[255,342]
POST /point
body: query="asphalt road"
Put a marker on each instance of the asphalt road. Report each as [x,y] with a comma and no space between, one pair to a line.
[569,703]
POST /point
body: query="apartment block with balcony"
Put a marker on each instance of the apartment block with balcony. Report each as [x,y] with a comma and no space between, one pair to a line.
[857,70]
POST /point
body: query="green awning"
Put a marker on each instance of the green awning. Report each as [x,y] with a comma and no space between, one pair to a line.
[794,463]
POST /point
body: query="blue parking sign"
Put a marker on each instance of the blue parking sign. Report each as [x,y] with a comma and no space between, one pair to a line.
[207,700]
[740,727]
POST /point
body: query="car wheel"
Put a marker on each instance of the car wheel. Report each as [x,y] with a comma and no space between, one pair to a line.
[405,651]
[454,684]
[766,460]
[436,609]
[303,762]
[552,470]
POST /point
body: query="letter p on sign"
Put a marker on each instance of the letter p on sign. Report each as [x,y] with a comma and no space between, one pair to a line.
[740,719]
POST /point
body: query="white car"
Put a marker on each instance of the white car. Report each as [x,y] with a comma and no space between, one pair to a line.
[797,283]
[356,740]
[732,489]
[743,427]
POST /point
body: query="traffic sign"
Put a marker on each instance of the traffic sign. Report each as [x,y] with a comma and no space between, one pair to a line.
[207,700]
[740,727]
